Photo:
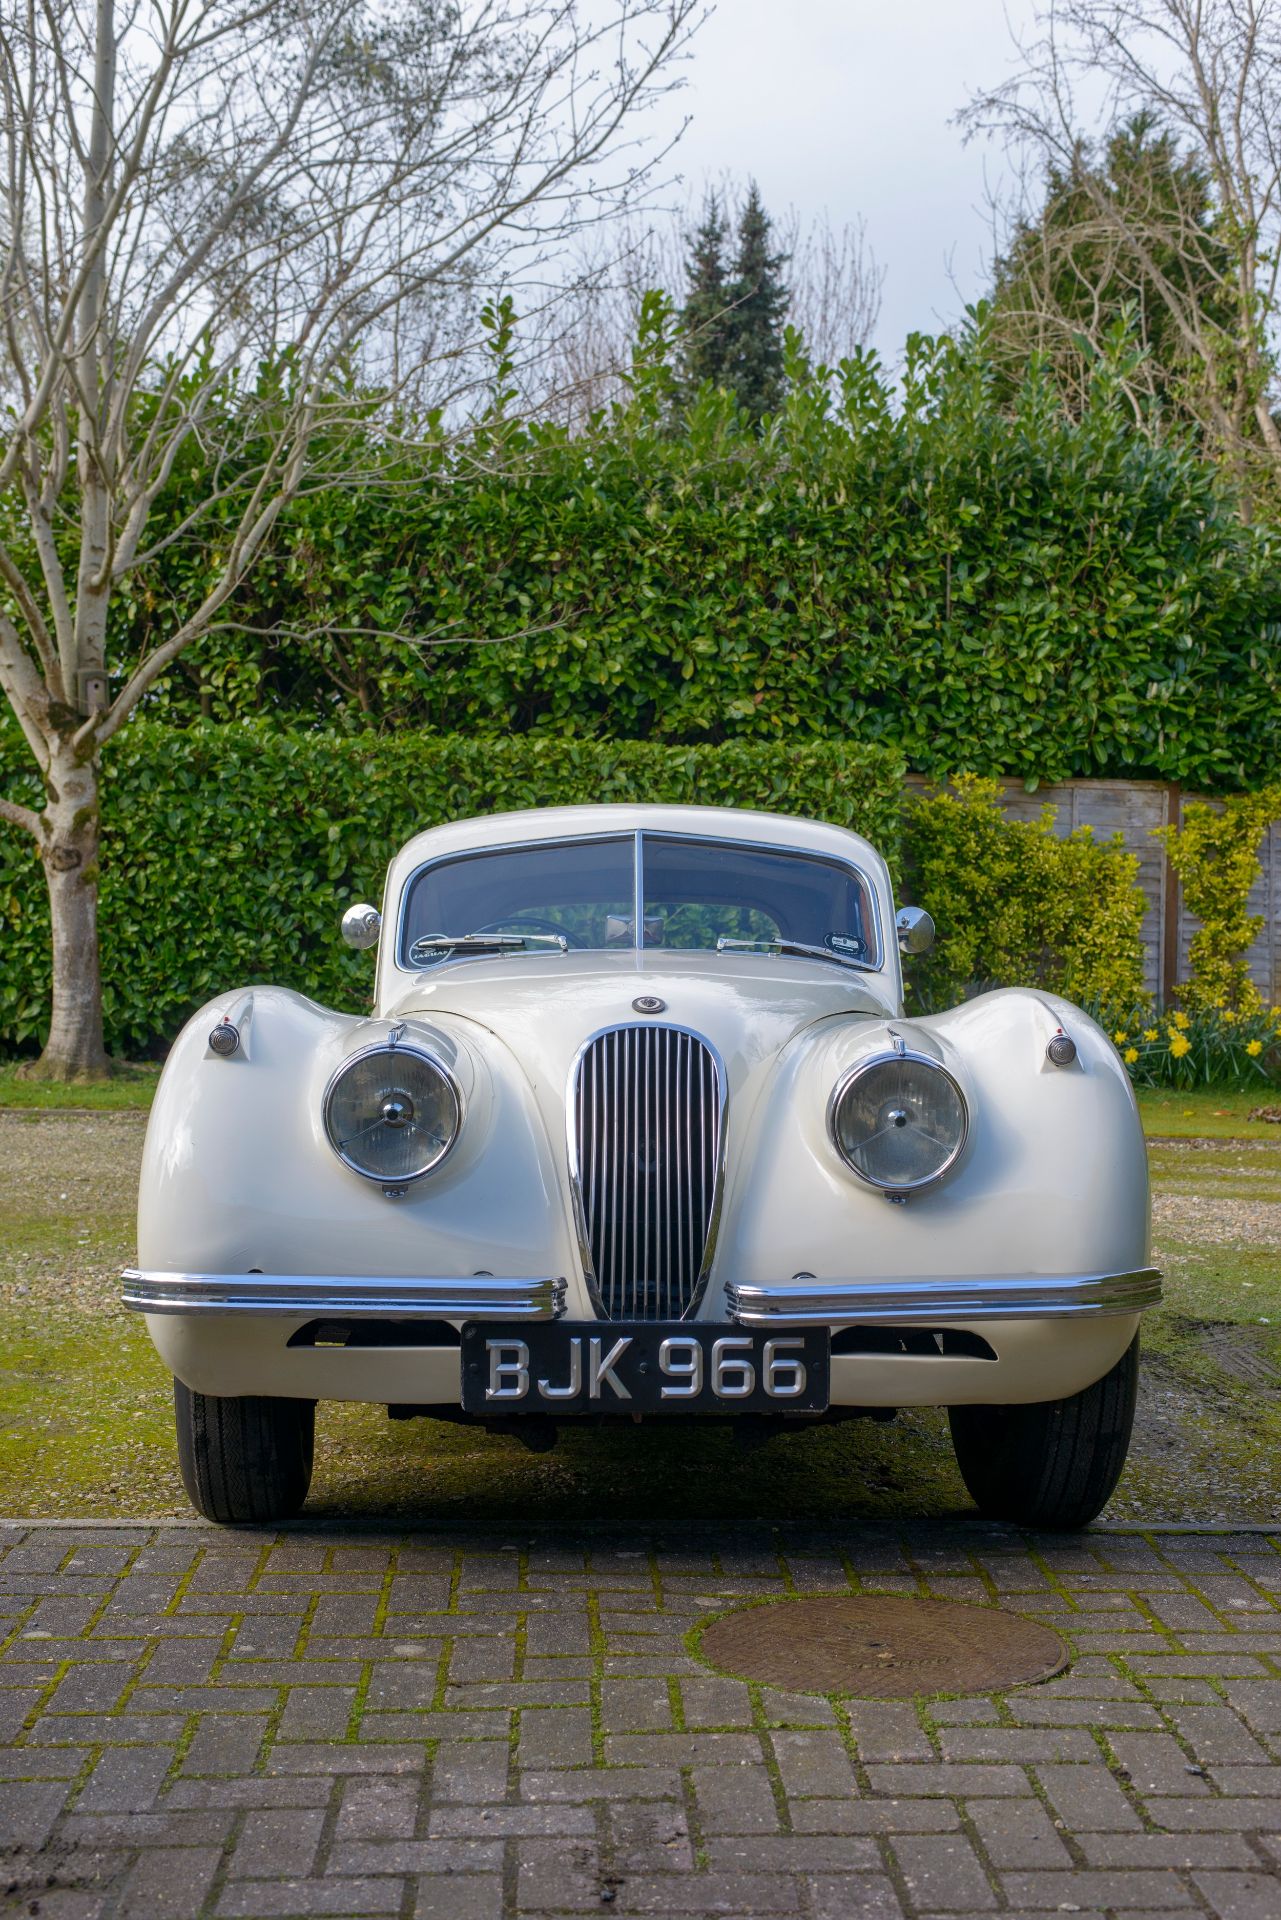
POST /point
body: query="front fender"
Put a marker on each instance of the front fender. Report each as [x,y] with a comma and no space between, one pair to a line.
[239,1176]
[1053,1178]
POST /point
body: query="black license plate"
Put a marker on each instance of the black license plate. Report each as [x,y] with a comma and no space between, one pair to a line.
[642,1366]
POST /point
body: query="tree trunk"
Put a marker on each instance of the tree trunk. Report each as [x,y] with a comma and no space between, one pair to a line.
[70,829]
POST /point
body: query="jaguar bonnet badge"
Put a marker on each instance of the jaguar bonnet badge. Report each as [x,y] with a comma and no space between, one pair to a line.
[648,1003]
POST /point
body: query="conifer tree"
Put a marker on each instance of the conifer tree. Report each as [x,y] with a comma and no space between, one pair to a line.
[759,300]
[706,318]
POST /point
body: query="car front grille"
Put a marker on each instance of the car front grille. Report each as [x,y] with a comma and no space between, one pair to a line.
[648,1118]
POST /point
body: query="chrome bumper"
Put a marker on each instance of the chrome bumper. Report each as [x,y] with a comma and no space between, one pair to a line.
[301,1296]
[904,1302]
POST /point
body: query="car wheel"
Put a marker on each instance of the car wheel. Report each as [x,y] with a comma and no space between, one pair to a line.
[1056,1462]
[244,1458]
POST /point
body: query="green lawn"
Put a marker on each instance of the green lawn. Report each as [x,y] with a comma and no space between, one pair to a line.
[130,1089]
[1211,1113]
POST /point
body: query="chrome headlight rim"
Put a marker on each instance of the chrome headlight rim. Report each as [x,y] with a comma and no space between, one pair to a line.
[888,1057]
[382,1048]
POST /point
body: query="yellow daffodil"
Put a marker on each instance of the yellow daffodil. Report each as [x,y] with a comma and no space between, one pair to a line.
[1180,1020]
[1150,1033]
[1229,1018]
[1130,1055]
[1180,1045]
[1254,1049]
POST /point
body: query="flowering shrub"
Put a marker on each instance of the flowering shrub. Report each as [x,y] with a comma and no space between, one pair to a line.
[1015,905]
[1215,854]
[1212,1046]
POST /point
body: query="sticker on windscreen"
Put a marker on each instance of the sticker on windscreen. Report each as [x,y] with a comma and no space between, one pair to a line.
[844,943]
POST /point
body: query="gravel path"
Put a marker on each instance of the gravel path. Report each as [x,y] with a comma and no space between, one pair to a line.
[81,1160]
[1218,1221]
[70,1186]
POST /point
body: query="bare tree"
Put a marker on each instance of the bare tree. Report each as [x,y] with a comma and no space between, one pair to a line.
[272,198]
[579,334]
[1207,74]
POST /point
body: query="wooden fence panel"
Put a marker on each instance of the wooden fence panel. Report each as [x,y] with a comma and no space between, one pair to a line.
[1135,809]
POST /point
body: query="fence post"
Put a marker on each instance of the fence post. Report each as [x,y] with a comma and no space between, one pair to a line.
[1170,900]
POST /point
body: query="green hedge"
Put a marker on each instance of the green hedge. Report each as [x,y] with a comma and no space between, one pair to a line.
[229,852]
[983,586]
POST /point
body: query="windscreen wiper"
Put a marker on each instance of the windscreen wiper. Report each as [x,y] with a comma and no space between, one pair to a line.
[442,943]
[802,947]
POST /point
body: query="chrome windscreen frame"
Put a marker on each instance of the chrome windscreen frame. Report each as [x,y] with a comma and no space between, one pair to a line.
[638,836]
[855,1073]
[581,1231]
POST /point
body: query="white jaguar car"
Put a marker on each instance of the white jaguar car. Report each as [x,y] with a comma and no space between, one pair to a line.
[639,1128]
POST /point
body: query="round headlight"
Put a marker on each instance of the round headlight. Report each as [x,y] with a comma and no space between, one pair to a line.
[392,1113]
[898,1121]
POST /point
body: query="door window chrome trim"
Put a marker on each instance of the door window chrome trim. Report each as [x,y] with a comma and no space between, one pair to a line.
[581,1231]
[637,835]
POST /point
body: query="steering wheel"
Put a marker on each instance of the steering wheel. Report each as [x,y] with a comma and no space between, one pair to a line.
[530,923]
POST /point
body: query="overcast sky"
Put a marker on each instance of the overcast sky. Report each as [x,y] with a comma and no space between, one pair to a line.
[846,105]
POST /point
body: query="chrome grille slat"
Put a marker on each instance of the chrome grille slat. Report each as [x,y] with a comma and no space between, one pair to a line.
[646,1128]
[615,1160]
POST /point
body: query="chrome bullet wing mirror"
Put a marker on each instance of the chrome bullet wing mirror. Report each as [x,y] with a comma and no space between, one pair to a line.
[361,925]
[915,930]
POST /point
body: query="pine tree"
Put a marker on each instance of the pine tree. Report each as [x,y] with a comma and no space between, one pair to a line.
[759,300]
[705,317]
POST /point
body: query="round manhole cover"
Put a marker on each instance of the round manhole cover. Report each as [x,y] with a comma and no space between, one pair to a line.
[882,1646]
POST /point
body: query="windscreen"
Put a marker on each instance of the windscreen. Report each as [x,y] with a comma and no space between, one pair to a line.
[700,891]
[581,890]
[695,893]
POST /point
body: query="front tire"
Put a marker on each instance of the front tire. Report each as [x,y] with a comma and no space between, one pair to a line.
[245,1459]
[1054,1463]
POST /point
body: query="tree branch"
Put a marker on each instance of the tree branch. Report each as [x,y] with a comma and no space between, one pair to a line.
[20,817]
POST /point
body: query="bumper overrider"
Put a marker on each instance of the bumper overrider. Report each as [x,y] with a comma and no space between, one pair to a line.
[800,1302]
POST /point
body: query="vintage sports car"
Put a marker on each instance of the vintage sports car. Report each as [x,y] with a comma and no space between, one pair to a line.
[639,1128]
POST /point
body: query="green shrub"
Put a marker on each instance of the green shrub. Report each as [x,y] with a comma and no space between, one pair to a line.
[230,851]
[1015,905]
[1215,852]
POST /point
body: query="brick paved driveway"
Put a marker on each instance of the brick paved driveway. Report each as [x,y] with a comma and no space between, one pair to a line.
[241,1724]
